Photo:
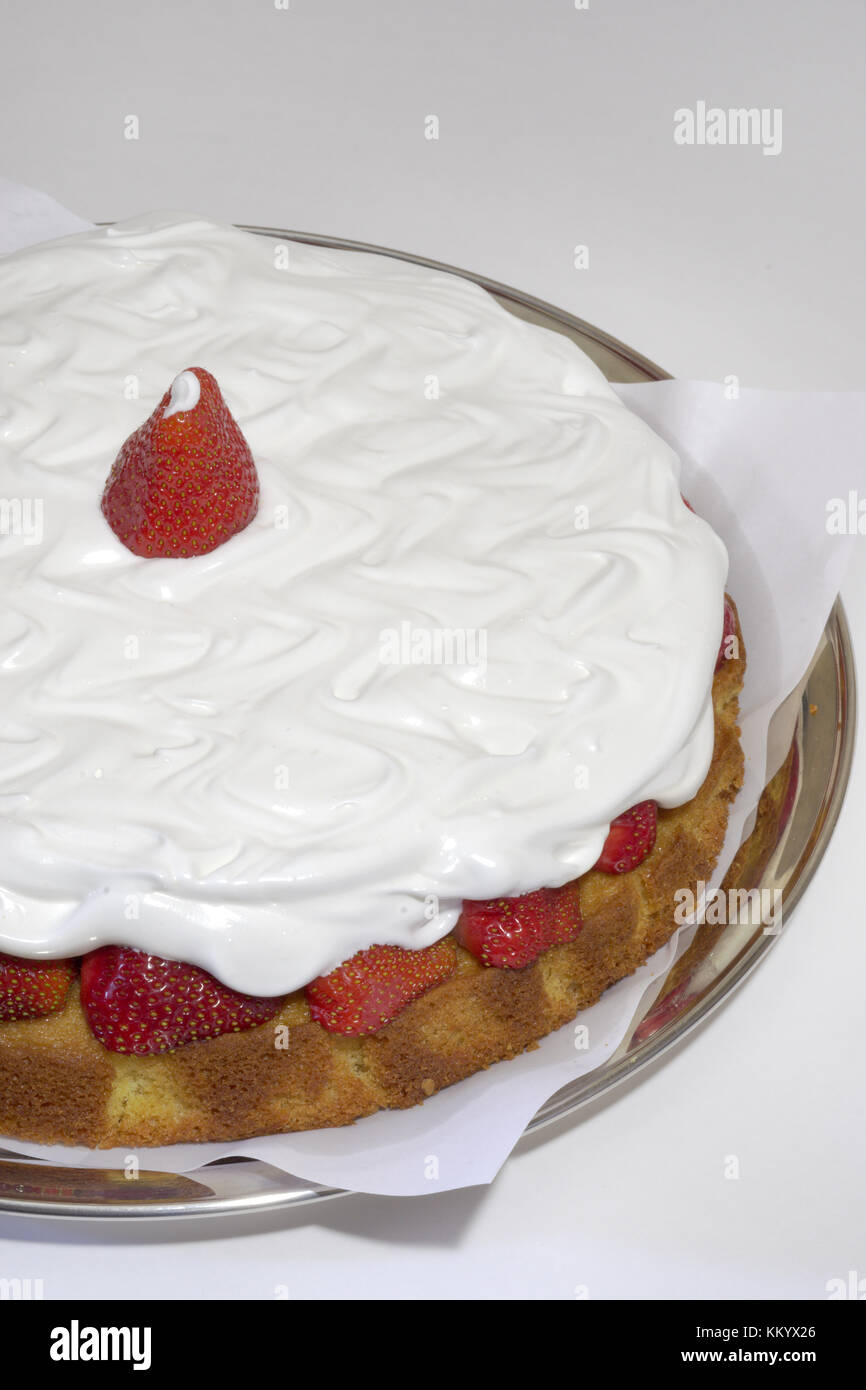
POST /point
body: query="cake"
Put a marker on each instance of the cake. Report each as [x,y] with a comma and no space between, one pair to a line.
[397,775]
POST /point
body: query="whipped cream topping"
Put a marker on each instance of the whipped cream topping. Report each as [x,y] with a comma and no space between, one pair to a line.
[471,623]
[185,394]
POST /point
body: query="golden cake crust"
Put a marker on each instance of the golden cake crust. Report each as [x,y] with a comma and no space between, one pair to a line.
[59,1085]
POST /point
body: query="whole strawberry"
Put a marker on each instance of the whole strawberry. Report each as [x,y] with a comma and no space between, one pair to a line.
[185,481]
[510,933]
[32,988]
[366,992]
[135,1002]
[630,839]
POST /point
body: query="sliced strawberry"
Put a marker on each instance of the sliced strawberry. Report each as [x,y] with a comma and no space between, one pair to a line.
[185,481]
[32,988]
[139,1003]
[510,933]
[729,628]
[630,839]
[687,502]
[366,992]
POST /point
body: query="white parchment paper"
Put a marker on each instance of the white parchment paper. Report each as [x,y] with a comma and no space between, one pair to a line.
[761,467]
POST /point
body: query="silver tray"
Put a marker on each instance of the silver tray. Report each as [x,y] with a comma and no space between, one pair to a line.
[824,741]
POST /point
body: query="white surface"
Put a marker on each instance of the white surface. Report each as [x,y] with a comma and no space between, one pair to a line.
[555,130]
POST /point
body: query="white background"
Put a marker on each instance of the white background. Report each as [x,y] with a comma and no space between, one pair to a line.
[555,130]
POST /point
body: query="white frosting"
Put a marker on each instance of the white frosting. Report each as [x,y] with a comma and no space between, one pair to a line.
[261,760]
[185,394]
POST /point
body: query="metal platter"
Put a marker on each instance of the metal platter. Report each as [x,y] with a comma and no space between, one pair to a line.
[699,984]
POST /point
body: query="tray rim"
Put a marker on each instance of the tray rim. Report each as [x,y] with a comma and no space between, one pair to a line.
[838,634]
[624,1065]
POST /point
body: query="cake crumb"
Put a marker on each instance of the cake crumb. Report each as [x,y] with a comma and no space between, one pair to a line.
[428,1085]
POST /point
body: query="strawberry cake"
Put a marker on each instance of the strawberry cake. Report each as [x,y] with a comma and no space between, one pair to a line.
[368,687]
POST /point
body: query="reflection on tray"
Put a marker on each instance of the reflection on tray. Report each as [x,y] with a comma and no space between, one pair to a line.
[98,1185]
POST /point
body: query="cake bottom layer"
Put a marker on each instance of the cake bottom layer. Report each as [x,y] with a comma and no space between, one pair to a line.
[59,1085]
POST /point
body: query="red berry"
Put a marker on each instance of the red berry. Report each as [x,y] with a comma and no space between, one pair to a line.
[630,839]
[32,988]
[366,992]
[139,1003]
[182,484]
[510,933]
[729,628]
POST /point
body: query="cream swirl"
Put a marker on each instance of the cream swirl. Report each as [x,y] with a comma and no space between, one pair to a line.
[471,623]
